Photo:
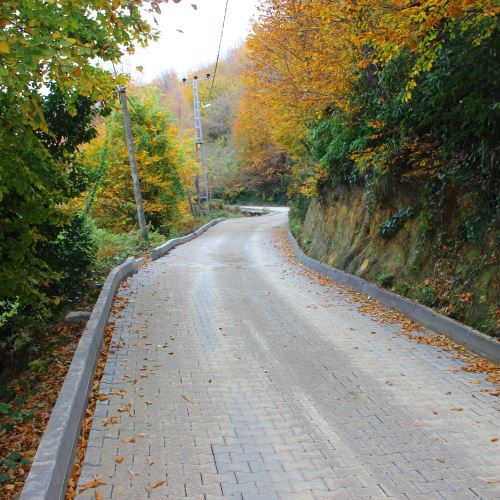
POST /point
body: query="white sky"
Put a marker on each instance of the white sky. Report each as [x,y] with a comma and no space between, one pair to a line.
[198,44]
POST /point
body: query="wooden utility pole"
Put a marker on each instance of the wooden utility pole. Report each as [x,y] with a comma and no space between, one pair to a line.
[133,166]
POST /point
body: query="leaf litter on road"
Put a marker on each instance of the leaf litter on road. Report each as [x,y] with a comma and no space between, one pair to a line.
[155,485]
[472,363]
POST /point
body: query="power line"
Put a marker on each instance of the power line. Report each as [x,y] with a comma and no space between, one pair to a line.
[218,52]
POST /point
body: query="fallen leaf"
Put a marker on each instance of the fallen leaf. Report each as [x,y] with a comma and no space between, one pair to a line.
[141,435]
[132,473]
[187,399]
[474,382]
[492,481]
[457,408]
[494,439]
[129,440]
[495,392]
[102,397]
[118,459]
[98,496]
[150,461]
[155,485]
[92,484]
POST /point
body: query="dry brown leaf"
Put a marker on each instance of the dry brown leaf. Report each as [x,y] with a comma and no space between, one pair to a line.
[129,440]
[102,397]
[133,473]
[141,434]
[494,439]
[150,461]
[109,421]
[98,496]
[151,487]
[119,459]
[492,481]
[474,382]
[457,408]
[92,484]
[187,399]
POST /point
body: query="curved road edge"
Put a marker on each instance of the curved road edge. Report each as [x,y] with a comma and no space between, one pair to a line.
[476,341]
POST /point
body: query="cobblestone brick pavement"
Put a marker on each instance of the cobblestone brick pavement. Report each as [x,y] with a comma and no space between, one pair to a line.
[240,377]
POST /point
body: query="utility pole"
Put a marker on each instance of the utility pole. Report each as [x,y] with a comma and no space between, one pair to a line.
[133,166]
[198,134]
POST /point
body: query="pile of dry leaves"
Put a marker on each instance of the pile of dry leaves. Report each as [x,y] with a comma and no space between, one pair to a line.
[36,393]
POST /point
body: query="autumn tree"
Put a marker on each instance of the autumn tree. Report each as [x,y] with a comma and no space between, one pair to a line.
[159,161]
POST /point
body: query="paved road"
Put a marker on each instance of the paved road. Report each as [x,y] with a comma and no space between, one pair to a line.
[248,379]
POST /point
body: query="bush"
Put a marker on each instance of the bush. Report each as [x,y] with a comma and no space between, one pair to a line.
[114,248]
[386,280]
[395,222]
[71,255]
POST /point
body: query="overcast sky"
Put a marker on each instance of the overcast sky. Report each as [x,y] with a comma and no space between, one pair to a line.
[198,43]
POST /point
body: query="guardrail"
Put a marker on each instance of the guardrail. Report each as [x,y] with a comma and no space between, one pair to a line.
[476,341]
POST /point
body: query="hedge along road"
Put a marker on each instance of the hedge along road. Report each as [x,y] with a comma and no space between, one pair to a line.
[238,375]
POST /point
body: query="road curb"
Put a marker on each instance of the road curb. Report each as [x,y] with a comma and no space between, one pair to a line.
[53,463]
[476,341]
[163,249]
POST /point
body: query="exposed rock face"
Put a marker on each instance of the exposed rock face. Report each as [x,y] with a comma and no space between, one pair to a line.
[340,231]
[343,234]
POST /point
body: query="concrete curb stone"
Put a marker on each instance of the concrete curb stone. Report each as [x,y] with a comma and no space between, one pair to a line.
[163,249]
[476,341]
[51,468]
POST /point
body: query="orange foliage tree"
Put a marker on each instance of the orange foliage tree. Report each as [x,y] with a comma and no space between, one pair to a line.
[305,56]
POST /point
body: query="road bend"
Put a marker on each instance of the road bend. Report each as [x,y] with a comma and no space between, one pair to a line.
[235,374]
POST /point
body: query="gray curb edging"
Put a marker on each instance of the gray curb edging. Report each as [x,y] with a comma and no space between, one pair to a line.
[475,341]
[53,463]
[163,249]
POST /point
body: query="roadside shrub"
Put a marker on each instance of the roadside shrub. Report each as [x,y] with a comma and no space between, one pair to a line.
[71,255]
[386,280]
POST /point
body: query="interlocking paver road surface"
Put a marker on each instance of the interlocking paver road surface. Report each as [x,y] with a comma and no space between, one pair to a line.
[240,376]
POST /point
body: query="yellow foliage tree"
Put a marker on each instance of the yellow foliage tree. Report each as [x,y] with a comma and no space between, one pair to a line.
[162,164]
